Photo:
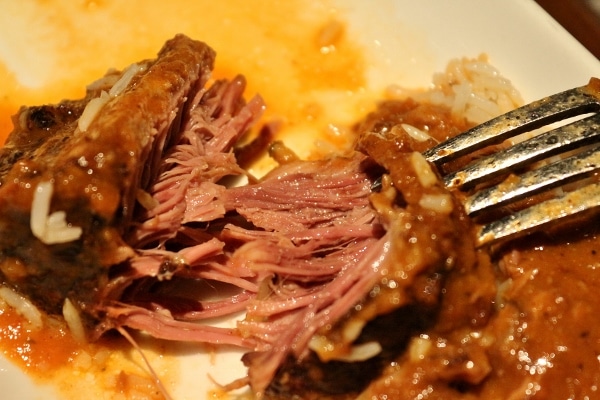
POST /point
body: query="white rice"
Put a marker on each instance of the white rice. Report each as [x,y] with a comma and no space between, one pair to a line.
[95,105]
[416,133]
[23,307]
[361,352]
[120,86]
[50,228]
[73,320]
[471,88]
[90,111]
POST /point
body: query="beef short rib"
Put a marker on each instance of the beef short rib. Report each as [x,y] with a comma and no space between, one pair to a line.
[95,173]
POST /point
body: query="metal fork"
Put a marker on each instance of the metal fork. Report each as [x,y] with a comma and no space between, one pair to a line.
[579,136]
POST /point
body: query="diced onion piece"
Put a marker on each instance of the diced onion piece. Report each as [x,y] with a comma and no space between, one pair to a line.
[23,307]
[419,347]
[281,153]
[50,228]
[352,329]
[501,291]
[440,203]
[325,348]
[425,174]
[73,320]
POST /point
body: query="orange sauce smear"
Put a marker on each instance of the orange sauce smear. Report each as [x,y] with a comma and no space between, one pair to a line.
[43,349]
[51,355]
[296,54]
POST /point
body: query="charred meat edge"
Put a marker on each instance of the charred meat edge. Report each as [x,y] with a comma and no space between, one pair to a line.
[95,175]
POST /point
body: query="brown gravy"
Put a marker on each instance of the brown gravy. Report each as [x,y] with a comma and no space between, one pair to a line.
[521,324]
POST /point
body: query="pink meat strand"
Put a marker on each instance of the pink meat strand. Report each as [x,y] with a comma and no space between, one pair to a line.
[296,250]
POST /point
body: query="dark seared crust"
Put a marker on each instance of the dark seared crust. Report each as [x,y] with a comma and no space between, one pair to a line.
[96,175]
[313,379]
[45,126]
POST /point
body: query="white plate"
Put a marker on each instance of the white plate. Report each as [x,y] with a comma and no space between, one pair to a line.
[407,41]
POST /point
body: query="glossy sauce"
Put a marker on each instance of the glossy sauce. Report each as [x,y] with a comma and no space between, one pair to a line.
[521,323]
[51,355]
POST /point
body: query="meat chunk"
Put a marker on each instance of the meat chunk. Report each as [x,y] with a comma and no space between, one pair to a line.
[424,241]
[93,172]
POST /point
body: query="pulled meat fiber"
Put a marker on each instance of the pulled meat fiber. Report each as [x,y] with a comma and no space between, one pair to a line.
[426,240]
[512,322]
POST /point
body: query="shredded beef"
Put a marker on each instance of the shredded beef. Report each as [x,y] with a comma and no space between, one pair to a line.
[421,247]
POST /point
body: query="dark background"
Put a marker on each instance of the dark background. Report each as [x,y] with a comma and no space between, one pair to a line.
[580,17]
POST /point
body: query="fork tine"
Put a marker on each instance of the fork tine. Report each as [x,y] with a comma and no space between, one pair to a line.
[550,109]
[580,134]
[572,203]
[556,141]
[535,181]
